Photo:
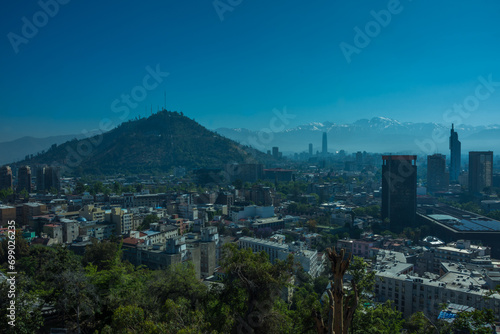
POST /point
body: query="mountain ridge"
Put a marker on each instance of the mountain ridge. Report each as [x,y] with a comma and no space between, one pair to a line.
[378,134]
[155,144]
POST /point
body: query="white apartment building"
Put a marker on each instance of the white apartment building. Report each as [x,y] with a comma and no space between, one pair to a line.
[410,293]
[273,249]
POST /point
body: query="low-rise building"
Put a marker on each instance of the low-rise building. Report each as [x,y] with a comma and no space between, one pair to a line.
[94,229]
[7,213]
[92,213]
[122,219]
[273,249]
[395,281]
[54,231]
[161,256]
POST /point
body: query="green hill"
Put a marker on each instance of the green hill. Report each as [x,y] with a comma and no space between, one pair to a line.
[153,144]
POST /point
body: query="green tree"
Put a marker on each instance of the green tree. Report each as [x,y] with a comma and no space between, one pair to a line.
[420,324]
[477,322]
[22,247]
[6,194]
[77,298]
[362,277]
[80,188]
[320,283]
[379,319]
[28,310]
[494,214]
[131,319]
[121,284]
[117,188]
[251,287]
[238,184]
[148,220]
[177,281]
[97,188]
[24,194]
[103,254]
[181,318]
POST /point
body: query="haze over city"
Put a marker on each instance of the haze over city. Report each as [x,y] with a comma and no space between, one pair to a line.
[237,166]
[230,66]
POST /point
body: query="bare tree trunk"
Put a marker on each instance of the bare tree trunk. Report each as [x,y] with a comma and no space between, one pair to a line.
[340,312]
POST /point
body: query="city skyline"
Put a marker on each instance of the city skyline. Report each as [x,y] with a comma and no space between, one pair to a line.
[321,62]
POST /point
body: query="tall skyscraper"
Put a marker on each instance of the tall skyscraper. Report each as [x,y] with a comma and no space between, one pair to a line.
[324,146]
[399,190]
[48,178]
[437,177]
[40,178]
[455,152]
[24,179]
[5,177]
[480,171]
[276,152]
[52,178]
[310,149]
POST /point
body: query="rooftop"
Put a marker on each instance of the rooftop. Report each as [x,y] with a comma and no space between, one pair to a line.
[264,242]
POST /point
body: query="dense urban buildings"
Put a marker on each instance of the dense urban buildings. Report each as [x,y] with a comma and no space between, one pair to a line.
[399,190]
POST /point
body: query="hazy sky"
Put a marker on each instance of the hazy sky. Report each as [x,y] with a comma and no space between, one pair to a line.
[232,65]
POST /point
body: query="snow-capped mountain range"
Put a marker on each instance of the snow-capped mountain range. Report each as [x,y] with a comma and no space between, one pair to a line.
[379,134]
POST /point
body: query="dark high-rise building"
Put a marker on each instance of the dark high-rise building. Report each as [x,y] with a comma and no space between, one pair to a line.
[5,177]
[324,147]
[480,171]
[276,152]
[437,177]
[24,179]
[48,178]
[310,149]
[455,152]
[244,172]
[399,190]
[359,160]
[40,179]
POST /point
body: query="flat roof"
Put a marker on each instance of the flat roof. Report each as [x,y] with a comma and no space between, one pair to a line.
[264,242]
[461,220]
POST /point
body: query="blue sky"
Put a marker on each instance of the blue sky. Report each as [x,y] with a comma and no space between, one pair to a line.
[233,72]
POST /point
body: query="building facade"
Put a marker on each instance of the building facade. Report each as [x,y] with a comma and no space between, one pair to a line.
[437,177]
[399,190]
[455,155]
[480,171]
[24,179]
[5,177]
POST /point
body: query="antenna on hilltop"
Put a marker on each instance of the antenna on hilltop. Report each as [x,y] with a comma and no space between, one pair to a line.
[165,99]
